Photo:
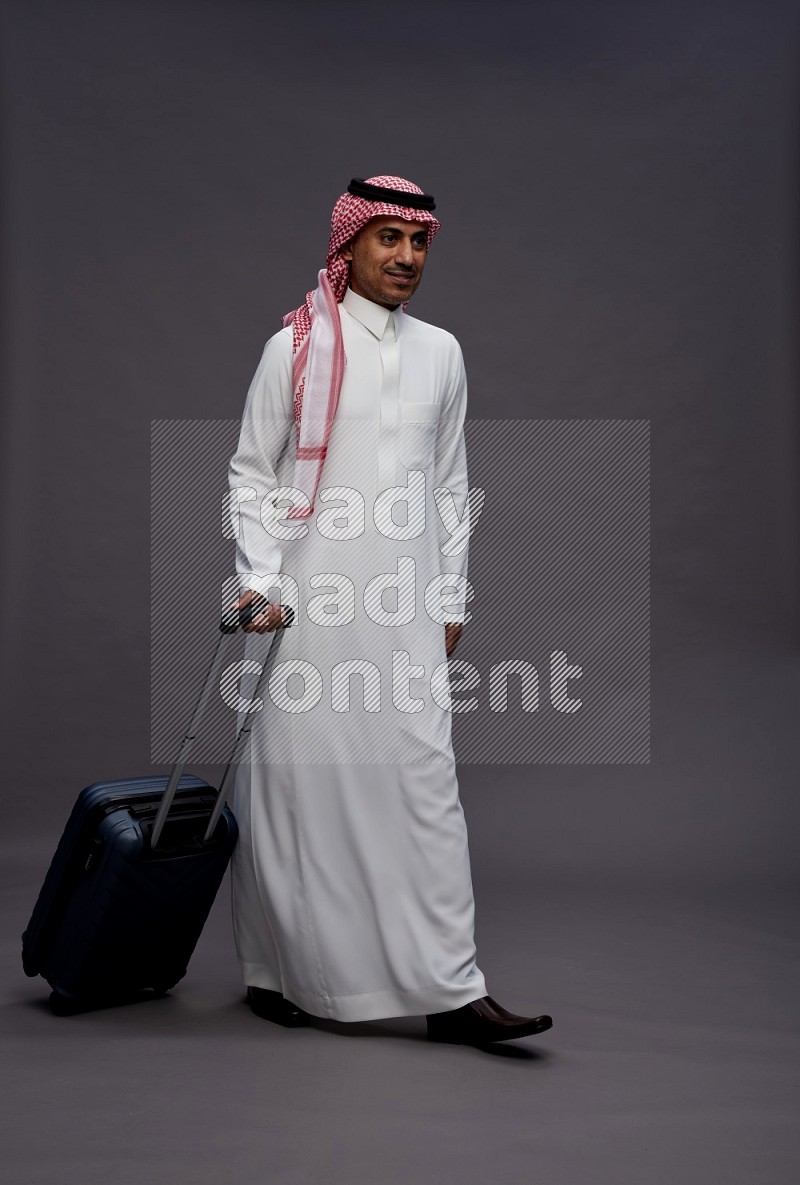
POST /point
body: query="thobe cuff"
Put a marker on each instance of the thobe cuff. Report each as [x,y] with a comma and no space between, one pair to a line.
[259,584]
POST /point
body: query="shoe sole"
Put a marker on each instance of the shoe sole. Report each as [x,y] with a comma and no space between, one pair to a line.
[287,1024]
[477,1039]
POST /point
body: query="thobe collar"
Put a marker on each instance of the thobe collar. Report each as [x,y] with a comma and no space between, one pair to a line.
[373,317]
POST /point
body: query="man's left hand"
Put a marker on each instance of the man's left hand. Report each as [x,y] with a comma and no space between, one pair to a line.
[452,632]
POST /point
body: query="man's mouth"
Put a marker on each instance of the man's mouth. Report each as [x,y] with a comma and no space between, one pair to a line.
[401,277]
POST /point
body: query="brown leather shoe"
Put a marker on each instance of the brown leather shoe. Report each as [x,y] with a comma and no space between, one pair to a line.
[273,1006]
[482,1021]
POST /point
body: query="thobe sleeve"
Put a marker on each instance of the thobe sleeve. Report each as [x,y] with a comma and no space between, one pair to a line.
[450,473]
[267,422]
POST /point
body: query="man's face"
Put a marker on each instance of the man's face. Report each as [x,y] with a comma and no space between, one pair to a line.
[386,260]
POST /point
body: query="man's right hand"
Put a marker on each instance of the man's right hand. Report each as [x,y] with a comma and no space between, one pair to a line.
[267,620]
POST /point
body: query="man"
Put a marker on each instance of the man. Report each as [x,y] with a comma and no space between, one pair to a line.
[352,893]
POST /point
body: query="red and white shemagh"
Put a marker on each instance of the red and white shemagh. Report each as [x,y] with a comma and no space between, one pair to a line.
[317,347]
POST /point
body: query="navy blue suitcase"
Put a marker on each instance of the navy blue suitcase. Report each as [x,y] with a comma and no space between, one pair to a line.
[115,916]
[135,874]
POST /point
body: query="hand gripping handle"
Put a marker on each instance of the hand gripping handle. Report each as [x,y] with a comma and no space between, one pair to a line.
[232,619]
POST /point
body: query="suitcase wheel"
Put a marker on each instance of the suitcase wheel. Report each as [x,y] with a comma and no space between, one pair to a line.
[61,1005]
[65,1005]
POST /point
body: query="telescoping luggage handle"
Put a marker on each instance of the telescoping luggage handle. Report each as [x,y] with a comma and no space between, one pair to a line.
[230,623]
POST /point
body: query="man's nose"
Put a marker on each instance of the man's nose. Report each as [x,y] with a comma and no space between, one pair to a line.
[404,254]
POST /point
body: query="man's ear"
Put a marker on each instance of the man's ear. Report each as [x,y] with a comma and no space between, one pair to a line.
[346,251]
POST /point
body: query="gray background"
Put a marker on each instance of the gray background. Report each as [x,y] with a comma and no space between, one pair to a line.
[617,187]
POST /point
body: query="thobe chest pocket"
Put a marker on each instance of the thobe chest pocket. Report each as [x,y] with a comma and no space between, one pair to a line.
[417,427]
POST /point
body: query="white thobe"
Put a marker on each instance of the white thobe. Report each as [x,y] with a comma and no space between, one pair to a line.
[352,892]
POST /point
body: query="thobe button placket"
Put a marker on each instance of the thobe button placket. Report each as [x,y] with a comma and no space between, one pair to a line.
[389,411]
